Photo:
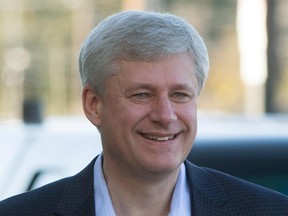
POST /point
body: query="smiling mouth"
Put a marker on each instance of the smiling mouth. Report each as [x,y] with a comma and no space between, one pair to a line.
[159,138]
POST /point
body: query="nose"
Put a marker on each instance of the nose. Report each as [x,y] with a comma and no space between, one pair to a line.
[163,111]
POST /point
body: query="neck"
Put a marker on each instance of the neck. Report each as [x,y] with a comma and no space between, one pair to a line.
[146,194]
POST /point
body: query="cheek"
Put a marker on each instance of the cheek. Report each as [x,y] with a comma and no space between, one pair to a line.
[119,114]
[188,117]
[188,113]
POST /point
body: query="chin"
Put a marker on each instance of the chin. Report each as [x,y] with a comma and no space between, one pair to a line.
[165,166]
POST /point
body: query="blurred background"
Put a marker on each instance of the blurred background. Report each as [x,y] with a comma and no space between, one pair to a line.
[247,43]
[244,105]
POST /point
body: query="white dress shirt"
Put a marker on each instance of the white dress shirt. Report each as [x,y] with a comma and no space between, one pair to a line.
[180,204]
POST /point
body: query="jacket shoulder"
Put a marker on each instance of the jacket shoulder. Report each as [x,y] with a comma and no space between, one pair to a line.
[236,195]
[67,196]
[36,202]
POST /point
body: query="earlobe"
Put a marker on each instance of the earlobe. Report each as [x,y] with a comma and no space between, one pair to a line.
[92,105]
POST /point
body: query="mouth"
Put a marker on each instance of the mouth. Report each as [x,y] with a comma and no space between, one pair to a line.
[159,138]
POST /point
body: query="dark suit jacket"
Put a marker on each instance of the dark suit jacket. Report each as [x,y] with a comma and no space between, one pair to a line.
[212,193]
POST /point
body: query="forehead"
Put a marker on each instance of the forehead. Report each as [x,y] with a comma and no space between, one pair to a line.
[178,64]
[172,70]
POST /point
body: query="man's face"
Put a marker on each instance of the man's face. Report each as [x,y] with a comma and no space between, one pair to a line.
[148,115]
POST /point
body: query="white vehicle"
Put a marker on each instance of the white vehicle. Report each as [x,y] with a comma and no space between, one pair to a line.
[35,154]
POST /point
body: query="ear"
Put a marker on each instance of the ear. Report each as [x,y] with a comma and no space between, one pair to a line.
[92,105]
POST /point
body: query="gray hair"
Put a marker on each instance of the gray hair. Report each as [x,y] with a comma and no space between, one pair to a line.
[138,36]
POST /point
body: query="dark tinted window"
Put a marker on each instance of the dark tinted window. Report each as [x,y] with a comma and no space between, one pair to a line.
[259,160]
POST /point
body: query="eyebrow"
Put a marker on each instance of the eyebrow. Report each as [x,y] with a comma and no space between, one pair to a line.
[184,87]
[137,86]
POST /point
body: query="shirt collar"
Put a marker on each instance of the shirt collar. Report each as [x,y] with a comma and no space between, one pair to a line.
[180,204]
[103,203]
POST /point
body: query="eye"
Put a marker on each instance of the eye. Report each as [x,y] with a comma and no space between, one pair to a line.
[180,96]
[141,95]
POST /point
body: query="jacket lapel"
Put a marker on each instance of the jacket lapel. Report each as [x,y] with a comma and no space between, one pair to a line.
[208,196]
[78,195]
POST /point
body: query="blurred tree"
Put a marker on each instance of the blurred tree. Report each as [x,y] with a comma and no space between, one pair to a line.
[273,61]
[154,5]
[14,57]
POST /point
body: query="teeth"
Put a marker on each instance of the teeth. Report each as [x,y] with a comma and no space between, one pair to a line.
[159,138]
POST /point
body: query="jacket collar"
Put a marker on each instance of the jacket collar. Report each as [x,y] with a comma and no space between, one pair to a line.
[207,194]
[78,195]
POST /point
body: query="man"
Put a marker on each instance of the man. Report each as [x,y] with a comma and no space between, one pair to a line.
[142,73]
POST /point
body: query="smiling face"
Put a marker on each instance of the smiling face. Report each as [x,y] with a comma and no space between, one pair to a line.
[147,115]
